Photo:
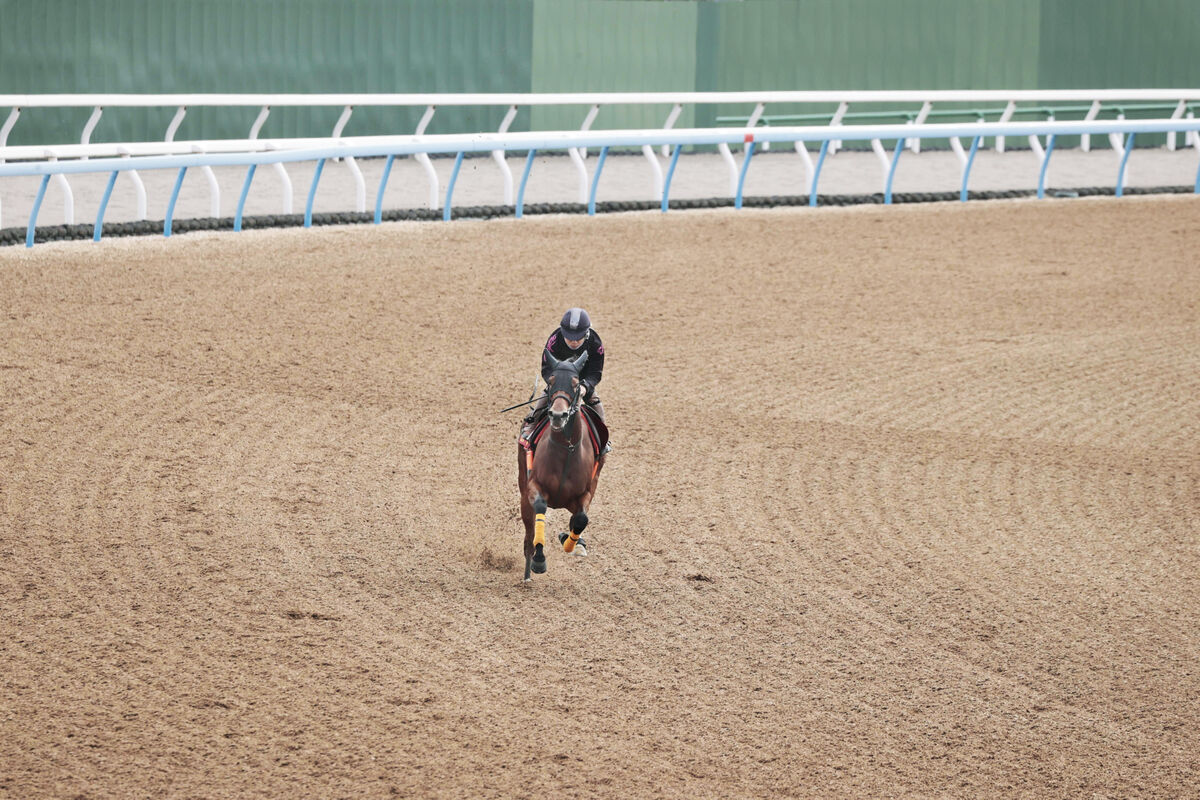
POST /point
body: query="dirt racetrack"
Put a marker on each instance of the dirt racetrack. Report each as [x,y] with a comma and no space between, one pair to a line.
[904,502]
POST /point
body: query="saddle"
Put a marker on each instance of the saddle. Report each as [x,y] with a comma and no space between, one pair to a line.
[596,429]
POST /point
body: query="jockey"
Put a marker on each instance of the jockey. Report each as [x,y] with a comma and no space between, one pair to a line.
[574,336]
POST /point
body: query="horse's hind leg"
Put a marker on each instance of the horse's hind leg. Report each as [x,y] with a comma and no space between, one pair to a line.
[527,512]
[527,518]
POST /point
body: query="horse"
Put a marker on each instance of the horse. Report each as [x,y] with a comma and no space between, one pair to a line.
[562,471]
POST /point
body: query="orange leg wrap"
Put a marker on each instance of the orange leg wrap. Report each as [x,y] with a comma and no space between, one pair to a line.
[569,542]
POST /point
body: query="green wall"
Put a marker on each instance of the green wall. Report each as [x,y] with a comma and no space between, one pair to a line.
[613,46]
[561,45]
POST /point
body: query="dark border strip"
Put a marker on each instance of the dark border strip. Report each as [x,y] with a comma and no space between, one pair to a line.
[56,233]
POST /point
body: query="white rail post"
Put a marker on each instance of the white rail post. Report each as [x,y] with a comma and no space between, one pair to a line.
[340,125]
[755,116]
[68,198]
[842,108]
[956,146]
[360,184]
[578,154]
[285,181]
[498,157]
[1085,141]
[138,187]
[727,157]
[655,170]
[176,121]
[214,191]
[1115,141]
[674,115]
[1005,117]
[1118,146]
[1179,109]
[8,126]
[884,160]
[810,172]
[926,107]
[1035,144]
[423,159]
[259,121]
[89,127]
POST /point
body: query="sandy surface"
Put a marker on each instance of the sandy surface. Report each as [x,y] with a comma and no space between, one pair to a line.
[904,502]
[555,179]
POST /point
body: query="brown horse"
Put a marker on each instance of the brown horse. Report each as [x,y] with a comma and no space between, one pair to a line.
[563,469]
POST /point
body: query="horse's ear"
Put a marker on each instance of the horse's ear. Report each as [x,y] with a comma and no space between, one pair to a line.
[579,362]
[551,360]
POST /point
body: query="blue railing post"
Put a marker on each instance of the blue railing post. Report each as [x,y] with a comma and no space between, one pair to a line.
[237,217]
[520,209]
[887,190]
[171,202]
[1124,160]
[112,179]
[671,174]
[312,193]
[967,169]
[387,170]
[450,186]
[33,213]
[1045,163]
[737,199]
[596,181]
[812,190]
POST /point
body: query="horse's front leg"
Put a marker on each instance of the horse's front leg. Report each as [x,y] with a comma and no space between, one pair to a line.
[527,519]
[570,541]
[535,530]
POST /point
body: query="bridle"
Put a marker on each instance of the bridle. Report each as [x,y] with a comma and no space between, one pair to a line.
[574,399]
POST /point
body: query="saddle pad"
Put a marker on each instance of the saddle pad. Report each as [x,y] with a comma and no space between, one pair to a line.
[597,431]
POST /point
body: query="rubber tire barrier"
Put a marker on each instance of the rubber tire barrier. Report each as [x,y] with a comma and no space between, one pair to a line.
[57,233]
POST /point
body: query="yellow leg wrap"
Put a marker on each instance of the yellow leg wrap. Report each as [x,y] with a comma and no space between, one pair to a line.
[539,530]
[569,543]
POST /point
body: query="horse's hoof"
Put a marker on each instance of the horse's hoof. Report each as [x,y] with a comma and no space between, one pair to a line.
[538,564]
[580,548]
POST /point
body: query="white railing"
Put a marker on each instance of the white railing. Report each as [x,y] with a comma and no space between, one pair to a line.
[923,101]
[531,143]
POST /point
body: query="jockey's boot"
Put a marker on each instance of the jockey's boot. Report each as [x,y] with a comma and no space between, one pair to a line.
[598,407]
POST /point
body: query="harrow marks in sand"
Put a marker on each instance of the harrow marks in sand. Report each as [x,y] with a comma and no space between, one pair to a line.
[906,503]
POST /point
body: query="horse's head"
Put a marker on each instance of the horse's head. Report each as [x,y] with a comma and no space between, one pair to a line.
[563,388]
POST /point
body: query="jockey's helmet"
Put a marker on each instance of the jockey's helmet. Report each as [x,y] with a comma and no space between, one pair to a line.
[575,324]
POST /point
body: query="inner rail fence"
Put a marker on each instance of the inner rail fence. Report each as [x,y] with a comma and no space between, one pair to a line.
[1122,133]
[916,107]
